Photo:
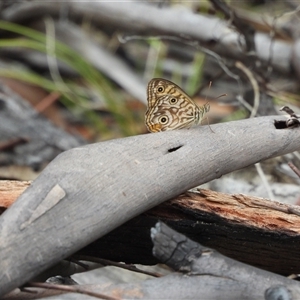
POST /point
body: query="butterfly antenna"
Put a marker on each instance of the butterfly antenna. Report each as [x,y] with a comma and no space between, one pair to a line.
[209,86]
[206,107]
[209,124]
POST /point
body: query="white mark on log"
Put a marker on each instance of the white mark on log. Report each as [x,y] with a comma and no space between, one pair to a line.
[230,132]
[51,199]
[146,196]
[206,252]
[137,161]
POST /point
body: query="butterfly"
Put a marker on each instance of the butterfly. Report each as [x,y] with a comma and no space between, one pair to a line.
[169,107]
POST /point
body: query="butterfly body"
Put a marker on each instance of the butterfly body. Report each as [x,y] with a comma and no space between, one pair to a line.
[169,107]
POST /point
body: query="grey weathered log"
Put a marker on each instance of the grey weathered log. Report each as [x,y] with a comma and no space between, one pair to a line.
[44,140]
[183,254]
[119,179]
[206,286]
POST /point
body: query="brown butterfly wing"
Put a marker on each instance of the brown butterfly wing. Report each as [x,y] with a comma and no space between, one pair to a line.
[183,113]
[170,88]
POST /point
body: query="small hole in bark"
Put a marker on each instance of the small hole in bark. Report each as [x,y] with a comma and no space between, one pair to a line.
[289,123]
[280,124]
[2,104]
[174,149]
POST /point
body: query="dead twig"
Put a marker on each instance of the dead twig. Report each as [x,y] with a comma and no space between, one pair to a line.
[10,144]
[294,168]
[107,262]
[71,289]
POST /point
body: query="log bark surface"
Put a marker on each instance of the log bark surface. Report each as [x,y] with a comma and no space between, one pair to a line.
[259,232]
[119,179]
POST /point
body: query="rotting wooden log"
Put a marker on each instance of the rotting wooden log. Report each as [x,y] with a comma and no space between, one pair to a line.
[10,190]
[86,192]
[253,230]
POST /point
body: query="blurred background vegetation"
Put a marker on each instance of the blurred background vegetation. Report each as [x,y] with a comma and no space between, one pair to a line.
[85,65]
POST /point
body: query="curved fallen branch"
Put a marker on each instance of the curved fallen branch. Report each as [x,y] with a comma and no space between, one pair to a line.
[119,179]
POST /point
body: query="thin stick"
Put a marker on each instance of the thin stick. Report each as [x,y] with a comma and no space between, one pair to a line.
[107,262]
[294,168]
[264,181]
[47,101]
[71,289]
[254,84]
